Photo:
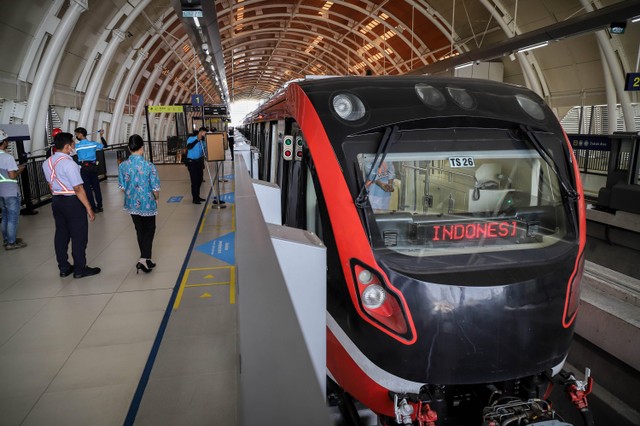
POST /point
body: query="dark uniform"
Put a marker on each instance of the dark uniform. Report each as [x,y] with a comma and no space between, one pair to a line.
[195,163]
[86,150]
[69,213]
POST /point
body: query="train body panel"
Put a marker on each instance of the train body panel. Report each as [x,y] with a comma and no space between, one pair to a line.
[453,218]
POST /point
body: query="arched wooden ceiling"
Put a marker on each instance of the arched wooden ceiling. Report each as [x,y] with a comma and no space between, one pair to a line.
[267,43]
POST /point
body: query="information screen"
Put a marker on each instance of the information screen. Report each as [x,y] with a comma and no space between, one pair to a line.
[503,231]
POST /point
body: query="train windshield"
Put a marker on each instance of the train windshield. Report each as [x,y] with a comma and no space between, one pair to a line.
[434,203]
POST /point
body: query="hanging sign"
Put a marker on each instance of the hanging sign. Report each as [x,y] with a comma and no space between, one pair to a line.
[166,108]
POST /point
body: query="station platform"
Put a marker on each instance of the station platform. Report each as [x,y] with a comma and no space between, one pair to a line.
[164,348]
[79,351]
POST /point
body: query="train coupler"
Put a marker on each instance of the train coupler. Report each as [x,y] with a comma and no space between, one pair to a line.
[426,416]
[403,409]
[577,390]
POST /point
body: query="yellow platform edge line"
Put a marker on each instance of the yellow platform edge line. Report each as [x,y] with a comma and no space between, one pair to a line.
[233,217]
[209,268]
[176,304]
[204,218]
[232,286]
[206,285]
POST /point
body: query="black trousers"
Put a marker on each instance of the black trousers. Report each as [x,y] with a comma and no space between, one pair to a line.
[92,186]
[196,174]
[145,230]
[71,225]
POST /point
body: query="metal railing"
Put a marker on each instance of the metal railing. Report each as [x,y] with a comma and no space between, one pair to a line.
[34,189]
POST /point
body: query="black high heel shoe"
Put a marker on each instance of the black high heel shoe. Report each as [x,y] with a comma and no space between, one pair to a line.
[144,268]
[150,264]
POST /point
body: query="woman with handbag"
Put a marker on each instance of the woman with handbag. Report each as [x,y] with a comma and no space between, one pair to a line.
[139,180]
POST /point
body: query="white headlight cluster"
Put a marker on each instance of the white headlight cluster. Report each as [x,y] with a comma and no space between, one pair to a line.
[348,107]
[373,296]
[532,108]
[430,96]
[461,97]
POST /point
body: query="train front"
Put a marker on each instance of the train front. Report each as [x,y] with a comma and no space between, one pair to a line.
[460,249]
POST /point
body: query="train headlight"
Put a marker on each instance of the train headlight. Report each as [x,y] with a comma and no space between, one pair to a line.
[373,296]
[461,97]
[430,96]
[365,276]
[348,107]
[532,108]
[380,303]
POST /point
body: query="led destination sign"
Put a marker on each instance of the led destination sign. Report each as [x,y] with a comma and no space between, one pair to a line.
[490,230]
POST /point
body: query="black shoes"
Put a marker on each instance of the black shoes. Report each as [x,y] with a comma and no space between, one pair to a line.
[86,272]
[98,210]
[66,273]
[196,201]
[144,268]
[219,203]
[150,264]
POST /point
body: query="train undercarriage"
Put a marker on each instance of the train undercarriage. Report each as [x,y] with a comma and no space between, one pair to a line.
[511,403]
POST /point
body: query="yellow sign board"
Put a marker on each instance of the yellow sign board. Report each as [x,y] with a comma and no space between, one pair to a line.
[166,108]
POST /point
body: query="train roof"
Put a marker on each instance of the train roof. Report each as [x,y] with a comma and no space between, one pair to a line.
[408,100]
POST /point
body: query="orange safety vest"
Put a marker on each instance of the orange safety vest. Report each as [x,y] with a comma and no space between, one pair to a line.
[65,190]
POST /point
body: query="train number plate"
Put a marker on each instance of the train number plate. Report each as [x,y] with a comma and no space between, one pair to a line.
[455,162]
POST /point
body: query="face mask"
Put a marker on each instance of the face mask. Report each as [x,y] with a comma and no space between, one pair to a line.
[72,152]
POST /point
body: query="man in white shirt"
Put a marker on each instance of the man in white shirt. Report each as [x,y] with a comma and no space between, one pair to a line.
[9,196]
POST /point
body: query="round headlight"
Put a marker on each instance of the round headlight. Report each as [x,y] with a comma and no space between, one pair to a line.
[373,296]
[365,276]
[348,107]
[461,97]
[429,95]
[532,108]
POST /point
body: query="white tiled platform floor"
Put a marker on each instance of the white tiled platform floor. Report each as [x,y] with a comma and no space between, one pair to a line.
[72,350]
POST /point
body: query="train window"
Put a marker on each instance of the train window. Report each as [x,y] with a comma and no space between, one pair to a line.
[429,203]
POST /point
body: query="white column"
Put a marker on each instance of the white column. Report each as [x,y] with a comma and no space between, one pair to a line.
[612,106]
[161,131]
[121,101]
[87,111]
[151,81]
[607,55]
[157,100]
[49,67]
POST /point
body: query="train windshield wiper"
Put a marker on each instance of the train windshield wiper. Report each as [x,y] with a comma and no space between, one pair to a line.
[389,137]
[568,190]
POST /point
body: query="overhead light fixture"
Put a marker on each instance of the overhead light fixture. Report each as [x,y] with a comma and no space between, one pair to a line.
[636,19]
[468,64]
[618,27]
[195,19]
[533,46]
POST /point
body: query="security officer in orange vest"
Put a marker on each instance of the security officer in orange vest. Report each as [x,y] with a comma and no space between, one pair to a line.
[70,208]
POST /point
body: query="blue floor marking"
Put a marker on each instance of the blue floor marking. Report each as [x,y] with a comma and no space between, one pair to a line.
[229,197]
[222,248]
[175,199]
